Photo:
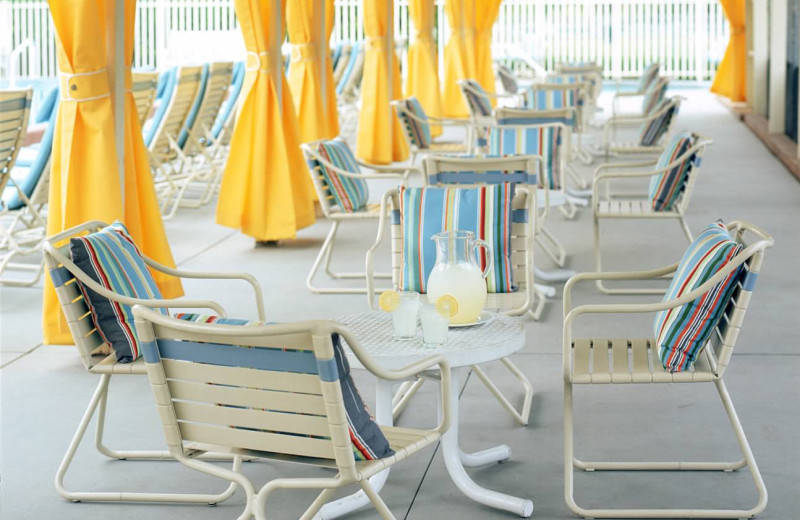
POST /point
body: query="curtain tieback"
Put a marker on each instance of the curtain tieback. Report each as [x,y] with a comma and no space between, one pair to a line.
[257,61]
[376,42]
[304,52]
[84,86]
[737,29]
[423,36]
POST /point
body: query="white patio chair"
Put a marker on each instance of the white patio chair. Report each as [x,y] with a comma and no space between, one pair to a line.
[343,193]
[144,89]
[671,185]
[207,402]
[471,172]
[417,129]
[655,92]
[592,361]
[91,346]
[647,78]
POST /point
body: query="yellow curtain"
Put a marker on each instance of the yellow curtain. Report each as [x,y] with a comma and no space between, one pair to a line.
[84,178]
[486,13]
[422,80]
[266,190]
[330,90]
[305,79]
[380,137]
[459,55]
[730,80]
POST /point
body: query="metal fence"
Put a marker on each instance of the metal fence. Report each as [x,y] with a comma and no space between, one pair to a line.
[688,37]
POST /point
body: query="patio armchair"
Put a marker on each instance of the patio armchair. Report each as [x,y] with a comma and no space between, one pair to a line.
[672,178]
[642,360]
[94,355]
[417,129]
[651,97]
[343,194]
[274,392]
[647,78]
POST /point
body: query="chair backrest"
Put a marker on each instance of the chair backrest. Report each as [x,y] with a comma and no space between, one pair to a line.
[350,80]
[415,123]
[683,167]
[194,112]
[164,92]
[184,93]
[15,107]
[546,133]
[336,193]
[344,60]
[336,53]
[551,96]
[507,79]
[654,94]
[660,122]
[144,88]
[648,76]
[272,389]
[476,97]
[219,79]
[227,112]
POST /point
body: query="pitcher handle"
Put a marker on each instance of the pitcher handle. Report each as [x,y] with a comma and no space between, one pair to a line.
[489,258]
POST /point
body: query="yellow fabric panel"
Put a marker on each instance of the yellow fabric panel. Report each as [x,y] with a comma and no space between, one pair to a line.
[730,80]
[330,93]
[266,189]
[486,15]
[380,136]
[305,78]
[459,55]
[422,80]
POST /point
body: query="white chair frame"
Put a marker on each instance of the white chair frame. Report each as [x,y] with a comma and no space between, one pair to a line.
[91,346]
[619,95]
[709,367]
[610,207]
[338,455]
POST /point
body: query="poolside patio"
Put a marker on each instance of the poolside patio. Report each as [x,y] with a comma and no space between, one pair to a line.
[45,388]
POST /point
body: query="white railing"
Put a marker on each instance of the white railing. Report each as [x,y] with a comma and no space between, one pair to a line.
[688,37]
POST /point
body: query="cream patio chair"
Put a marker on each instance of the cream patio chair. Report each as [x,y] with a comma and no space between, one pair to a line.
[651,97]
[671,185]
[90,345]
[144,89]
[343,194]
[592,361]
[471,172]
[648,77]
[417,128]
[212,384]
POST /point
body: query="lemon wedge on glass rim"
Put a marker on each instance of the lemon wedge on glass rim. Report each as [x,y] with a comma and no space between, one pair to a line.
[447,305]
[389,300]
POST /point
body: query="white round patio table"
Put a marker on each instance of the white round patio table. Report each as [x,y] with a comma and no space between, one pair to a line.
[499,337]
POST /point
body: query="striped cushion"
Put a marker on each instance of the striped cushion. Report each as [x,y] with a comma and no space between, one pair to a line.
[547,99]
[653,96]
[682,333]
[350,194]
[543,140]
[477,98]
[510,84]
[418,132]
[111,258]
[366,438]
[652,131]
[666,188]
[486,211]
[648,76]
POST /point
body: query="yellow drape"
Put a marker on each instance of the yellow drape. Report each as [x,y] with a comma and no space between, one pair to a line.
[330,92]
[84,178]
[459,55]
[730,80]
[422,80]
[486,13]
[266,191]
[305,78]
[380,137]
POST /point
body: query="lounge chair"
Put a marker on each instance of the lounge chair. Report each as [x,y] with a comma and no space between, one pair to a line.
[145,89]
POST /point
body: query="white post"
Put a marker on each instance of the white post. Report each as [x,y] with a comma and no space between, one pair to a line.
[389,51]
[115,20]
[777,70]
[323,50]
[275,57]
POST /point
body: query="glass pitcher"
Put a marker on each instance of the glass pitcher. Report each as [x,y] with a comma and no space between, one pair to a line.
[457,273]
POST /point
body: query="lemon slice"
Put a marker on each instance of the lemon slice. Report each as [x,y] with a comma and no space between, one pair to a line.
[389,300]
[447,305]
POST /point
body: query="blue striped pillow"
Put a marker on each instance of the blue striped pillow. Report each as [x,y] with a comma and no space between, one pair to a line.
[543,140]
[350,194]
[547,99]
[418,132]
[510,84]
[111,258]
[486,211]
[477,98]
[652,131]
[682,332]
[666,187]
[366,438]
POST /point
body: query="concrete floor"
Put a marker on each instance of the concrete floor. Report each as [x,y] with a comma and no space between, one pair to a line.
[45,389]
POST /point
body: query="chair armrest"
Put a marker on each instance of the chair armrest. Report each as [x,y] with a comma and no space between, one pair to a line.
[369,270]
[445,121]
[628,94]
[611,275]
[398,170]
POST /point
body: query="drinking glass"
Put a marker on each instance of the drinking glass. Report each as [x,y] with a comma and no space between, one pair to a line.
[435,324]
[404,317]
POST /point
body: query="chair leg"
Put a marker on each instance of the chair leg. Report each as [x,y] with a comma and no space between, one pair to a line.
[686,230]
[404,395]
[376,500]
[315,506]
[550,244]
[97,399]
[523,414]
[570,462]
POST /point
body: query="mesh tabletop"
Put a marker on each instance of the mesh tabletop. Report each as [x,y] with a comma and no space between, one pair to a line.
[499,337]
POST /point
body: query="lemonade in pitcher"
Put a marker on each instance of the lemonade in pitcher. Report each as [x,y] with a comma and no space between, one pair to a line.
[456,273]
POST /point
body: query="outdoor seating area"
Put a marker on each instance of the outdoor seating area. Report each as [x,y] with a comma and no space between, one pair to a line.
[412,259]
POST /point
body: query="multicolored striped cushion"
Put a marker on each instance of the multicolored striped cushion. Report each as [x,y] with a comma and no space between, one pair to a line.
[486,211]
[549,98]
[510,84]
[366,438]
[477,99]
[682,332]
[417,128]
[350,194]
[543,140]
[648,76]
[111,258]
[666,187]
[652,131]
[653,96]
